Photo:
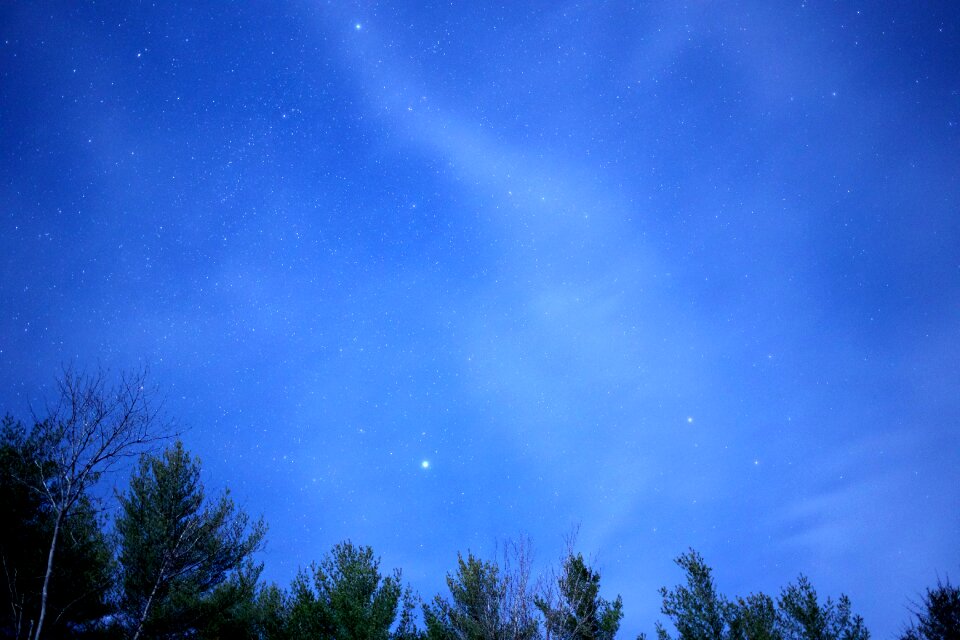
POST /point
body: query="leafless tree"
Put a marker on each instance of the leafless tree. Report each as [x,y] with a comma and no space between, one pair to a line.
[90,427]
[518,597]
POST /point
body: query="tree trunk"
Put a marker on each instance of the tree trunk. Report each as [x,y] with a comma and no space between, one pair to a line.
[46,576]
[146,607]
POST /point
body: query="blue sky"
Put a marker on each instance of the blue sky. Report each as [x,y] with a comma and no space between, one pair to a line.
[687,274]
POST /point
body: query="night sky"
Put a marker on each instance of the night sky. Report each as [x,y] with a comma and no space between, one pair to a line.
[431,277]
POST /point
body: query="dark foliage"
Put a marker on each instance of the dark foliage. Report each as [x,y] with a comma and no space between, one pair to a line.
[182,564]
[699,612]
[937,616]
[802,617]
[77,599]
[343,597]
[178,551]
[485,604]
[575,611]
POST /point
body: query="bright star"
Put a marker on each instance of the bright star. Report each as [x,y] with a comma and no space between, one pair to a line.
[425,464]
[357,26]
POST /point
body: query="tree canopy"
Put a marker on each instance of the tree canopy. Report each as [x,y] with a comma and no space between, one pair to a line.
[937,615]
[699,612]
[176,546]
[344,597]
[176,562]
[77,590]
[575,610]
[486,602]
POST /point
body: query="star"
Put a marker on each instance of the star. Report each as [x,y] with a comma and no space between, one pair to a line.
[425,464]
[357,26]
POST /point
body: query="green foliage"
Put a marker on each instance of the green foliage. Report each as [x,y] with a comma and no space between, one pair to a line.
[937,616]
[699,612]
[77,601]
[177,549]
[802,617]
[231,610]
[576,611]
[183,566]
[483,605]
[406,626]
[90,427]
[343,597]
[474,610]
[696,609]
[754,618]
[272,614]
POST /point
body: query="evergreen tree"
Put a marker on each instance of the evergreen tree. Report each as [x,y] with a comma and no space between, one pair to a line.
[938,616]
[344,597]
[273,614]
[576,611]
[232,610]
[483,605]
[802,617]
[177,548]
[697,611]
[754,618]
[406,625]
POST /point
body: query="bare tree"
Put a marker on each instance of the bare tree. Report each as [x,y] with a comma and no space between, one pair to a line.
[518,591]
[90,427]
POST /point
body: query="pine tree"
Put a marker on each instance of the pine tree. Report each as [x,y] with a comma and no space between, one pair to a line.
[938,616]
[485,603]
[699,612]
[801,616]
[696,609]
[576,611]
[345,597]
[176,547]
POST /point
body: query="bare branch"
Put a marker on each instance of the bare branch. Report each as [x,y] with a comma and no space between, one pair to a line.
[89,428]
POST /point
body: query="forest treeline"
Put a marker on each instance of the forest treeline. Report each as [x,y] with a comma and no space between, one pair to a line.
[175,562]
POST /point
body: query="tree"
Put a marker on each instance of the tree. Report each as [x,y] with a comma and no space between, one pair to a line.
[937,616]
[700,613]
[519,603]
[802,617]
[77,589]
[344,597]
[232,609]
[697,611]
[176,547]
[575,611]
[754,618]
[89,428]
[406,625]
[485,603]
[273,611]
